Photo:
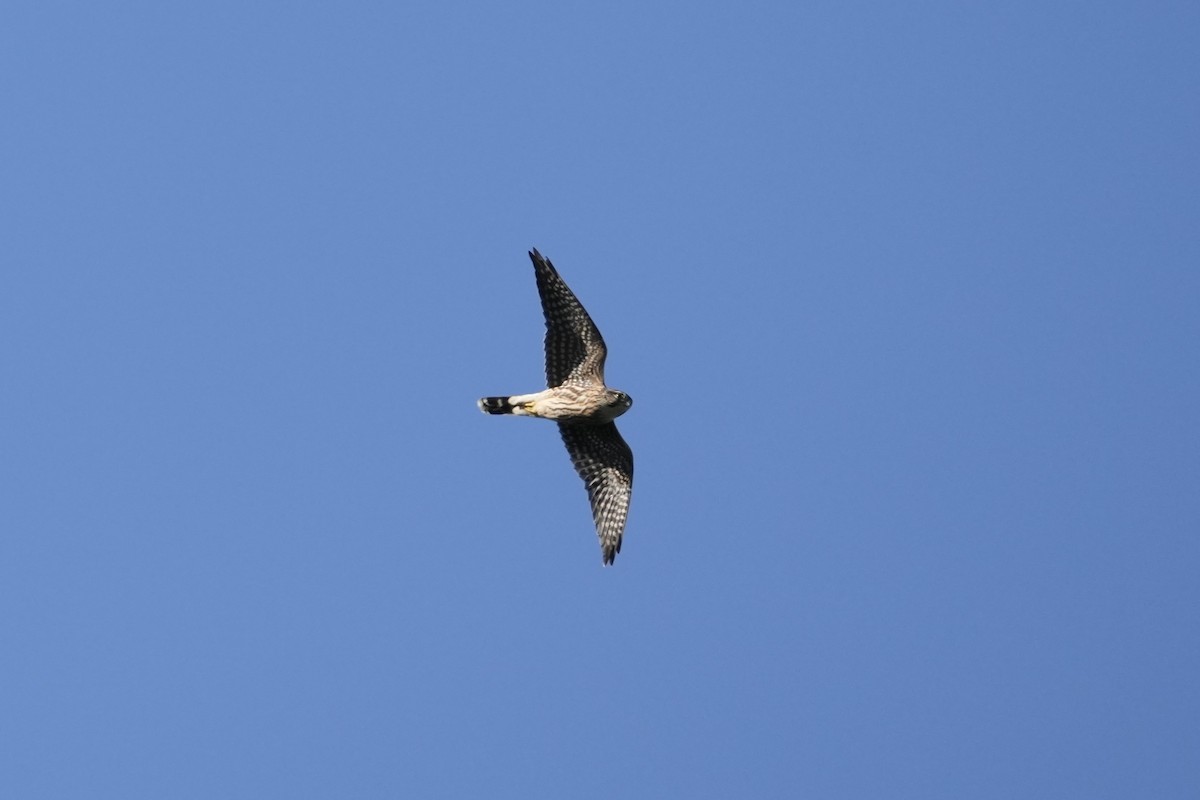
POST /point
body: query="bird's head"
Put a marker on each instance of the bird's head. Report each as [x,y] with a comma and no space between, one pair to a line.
[619,401]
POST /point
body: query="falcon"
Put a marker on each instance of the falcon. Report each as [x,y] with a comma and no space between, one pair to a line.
[582,405]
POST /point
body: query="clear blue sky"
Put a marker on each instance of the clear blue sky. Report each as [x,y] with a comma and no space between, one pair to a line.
[906,296]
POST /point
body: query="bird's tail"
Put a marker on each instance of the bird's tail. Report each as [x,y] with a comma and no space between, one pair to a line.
[496,405]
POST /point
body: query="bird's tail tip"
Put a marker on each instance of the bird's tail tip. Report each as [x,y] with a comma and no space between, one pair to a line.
[495,405]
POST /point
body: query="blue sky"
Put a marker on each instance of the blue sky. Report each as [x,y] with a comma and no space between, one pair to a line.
[906,298]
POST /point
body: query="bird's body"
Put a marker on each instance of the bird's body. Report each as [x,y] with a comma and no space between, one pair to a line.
[569,403]
[583,406]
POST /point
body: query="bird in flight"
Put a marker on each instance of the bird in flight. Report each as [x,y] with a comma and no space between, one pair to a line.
[581,404]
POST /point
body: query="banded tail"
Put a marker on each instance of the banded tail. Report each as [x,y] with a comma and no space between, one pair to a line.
[496,405]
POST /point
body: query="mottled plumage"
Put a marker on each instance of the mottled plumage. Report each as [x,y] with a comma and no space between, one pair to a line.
[605,463]
[575,350]
[582,405]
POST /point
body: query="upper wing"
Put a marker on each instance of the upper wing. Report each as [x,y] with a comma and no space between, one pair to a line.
[574,348]
[605,463]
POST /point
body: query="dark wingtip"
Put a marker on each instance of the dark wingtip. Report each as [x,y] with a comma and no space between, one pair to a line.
[609,551]
[540,260]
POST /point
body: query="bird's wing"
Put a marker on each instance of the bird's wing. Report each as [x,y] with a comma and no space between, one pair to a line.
[605,463]
[574,348]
